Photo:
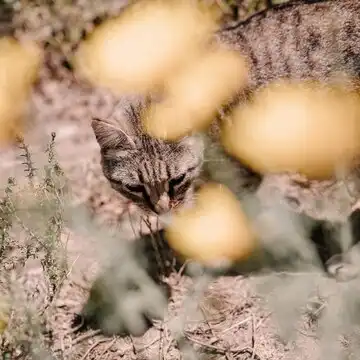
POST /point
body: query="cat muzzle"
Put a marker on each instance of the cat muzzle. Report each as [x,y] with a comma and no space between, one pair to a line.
[163,205]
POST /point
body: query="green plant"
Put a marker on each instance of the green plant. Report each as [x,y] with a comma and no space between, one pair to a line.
[31,223]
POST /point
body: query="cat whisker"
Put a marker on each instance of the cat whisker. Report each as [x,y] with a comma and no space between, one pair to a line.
[132,224]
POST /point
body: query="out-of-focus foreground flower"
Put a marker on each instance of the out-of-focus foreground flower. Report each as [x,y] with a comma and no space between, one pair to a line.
[19,65]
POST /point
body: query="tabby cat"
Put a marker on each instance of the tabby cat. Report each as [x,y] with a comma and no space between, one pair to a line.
[298,40]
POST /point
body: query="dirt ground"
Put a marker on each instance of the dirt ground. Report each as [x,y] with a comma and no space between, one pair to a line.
[237,318]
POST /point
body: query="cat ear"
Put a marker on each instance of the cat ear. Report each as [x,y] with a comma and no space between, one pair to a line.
[110,136]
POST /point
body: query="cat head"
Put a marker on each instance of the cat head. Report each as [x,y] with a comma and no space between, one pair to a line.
[154,174]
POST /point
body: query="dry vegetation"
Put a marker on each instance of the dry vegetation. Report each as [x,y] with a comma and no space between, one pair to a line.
[52,246]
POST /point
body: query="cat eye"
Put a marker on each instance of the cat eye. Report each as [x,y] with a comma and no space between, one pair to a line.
[134,188]
[177,181]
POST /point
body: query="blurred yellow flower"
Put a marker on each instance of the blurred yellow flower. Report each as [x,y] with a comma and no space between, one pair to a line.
[304,127]
[19,66]
[138,50]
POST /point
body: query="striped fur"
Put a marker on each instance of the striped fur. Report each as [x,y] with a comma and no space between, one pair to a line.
[299,40]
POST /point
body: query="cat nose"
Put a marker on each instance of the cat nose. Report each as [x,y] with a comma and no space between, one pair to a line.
[163,204]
